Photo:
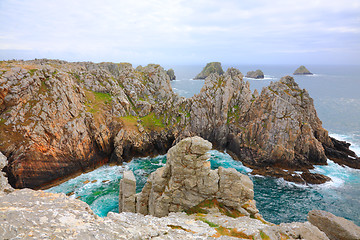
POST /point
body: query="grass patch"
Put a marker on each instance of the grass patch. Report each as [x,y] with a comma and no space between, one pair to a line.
[232,232]
[97,103]
[264,236]
[211,224]
[152,122]
[32,71]
[214,203]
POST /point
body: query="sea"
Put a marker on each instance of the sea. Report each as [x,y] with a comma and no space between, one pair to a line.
[335,90]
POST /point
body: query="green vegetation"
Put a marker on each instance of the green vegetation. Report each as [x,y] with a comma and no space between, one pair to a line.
[152,122]
[264,236]
[103,97]
[214,203]
[211,224]
[149,122]
[222,231]
[32,71]
[97,102]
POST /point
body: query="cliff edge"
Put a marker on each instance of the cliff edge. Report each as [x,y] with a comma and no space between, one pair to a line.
[59,118]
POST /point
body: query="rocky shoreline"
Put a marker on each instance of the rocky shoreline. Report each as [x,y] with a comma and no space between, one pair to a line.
[60,118]
[191,202]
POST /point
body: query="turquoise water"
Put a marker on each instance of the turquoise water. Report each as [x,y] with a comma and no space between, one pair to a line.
[335,90]
[278,200]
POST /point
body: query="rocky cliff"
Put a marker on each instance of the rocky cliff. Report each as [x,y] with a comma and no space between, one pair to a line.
[59,118]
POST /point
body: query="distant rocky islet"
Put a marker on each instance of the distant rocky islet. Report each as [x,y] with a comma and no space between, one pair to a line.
[302,70]
[258,74]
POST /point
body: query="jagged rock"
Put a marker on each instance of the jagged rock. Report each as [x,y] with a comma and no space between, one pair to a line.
[127,192]
[59,118]
[4,185]
[302,70]
[212,67]
[258,74]
[171,74]
[336,228]
[186,180]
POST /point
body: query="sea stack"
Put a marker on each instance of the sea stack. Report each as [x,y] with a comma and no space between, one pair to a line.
[302,70]
[171,74]
[212,67]
[258,74]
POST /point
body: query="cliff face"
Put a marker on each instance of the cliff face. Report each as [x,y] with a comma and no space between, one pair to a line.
[60,118]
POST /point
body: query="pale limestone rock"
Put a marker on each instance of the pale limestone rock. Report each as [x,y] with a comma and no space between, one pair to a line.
[127,192]
[187,179]
[4,184]
[336,228]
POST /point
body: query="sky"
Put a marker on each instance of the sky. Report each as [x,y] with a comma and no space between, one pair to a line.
[182,31]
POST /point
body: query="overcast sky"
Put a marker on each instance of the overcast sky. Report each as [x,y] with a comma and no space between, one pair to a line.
[182,31]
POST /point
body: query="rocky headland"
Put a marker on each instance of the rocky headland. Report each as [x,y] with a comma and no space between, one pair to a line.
[203,209]
[302,70]
[212,67]
[258,74]
[58,119]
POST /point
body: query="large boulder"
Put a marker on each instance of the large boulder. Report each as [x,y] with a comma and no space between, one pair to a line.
[187,180]
[336,228]
[212,67]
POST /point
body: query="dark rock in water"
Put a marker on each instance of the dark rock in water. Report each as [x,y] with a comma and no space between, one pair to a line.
[171,74]
[314,178]
[258,74]
[60,118]
[340,153]
[336,228]
[302,70]
[213,67]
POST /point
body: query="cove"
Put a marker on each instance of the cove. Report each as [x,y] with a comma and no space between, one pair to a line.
[278,200]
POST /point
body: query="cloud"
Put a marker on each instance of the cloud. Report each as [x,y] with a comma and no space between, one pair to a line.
[178,30]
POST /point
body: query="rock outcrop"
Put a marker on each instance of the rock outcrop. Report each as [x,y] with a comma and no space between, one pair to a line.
[29,214]
[127,191]
[4,184]
[336,228]
[59,118]
[171,74]
[258,74]
[187,180]
[302,70]
[212,67]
